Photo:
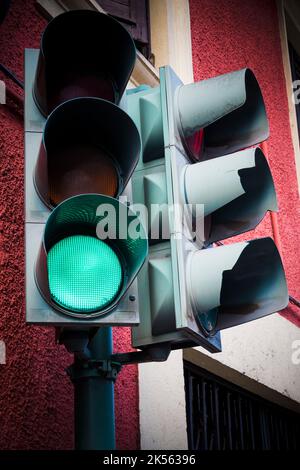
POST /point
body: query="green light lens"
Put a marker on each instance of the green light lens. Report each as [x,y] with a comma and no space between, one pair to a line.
[84,273]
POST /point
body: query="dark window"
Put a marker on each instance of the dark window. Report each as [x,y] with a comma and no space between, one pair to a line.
[134,15]
[222,416]
[295,65]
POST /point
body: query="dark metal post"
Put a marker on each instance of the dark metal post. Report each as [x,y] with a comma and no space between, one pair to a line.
[94,395]
[93,374]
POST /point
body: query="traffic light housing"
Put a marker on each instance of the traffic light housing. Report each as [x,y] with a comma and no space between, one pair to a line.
[200,176]
[84,245]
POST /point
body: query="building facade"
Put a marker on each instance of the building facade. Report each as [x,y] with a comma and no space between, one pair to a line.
[199,39]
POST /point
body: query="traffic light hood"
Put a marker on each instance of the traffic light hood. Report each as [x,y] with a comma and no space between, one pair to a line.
[236,191]
[82,53]
[235,284]
[221,115]
[89,145]
[85,217]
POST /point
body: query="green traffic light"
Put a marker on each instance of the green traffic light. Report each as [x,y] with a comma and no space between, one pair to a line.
[85,274]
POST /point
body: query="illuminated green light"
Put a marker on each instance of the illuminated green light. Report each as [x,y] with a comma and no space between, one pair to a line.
[84,273]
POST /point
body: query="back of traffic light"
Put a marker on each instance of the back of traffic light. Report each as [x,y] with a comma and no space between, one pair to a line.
[80,152]
[210,189]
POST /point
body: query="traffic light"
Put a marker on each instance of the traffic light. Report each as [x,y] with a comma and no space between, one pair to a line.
[84,244]
[201,185]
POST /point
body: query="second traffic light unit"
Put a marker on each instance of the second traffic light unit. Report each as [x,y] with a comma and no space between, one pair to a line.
[200,187]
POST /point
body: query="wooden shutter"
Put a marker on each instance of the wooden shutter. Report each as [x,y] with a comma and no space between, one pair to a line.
[134,15]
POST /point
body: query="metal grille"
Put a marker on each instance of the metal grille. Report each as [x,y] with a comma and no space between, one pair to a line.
[222,416]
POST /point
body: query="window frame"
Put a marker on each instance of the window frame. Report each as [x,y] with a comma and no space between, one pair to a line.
[282,8]
[295,68]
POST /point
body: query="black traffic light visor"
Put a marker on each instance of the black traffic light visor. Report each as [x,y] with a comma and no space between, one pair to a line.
[83,53]
[89,145]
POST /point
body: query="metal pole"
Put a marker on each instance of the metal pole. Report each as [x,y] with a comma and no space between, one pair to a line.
[94,396]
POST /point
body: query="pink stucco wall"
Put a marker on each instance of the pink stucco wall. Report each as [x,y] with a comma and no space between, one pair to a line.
[36,397]
[229,35]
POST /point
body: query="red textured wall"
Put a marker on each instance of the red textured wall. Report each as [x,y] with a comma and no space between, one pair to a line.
[229,35]
[36,405]
[36,397]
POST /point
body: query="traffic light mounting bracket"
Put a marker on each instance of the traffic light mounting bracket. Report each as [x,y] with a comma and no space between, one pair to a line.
[154,353]
[77,342]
